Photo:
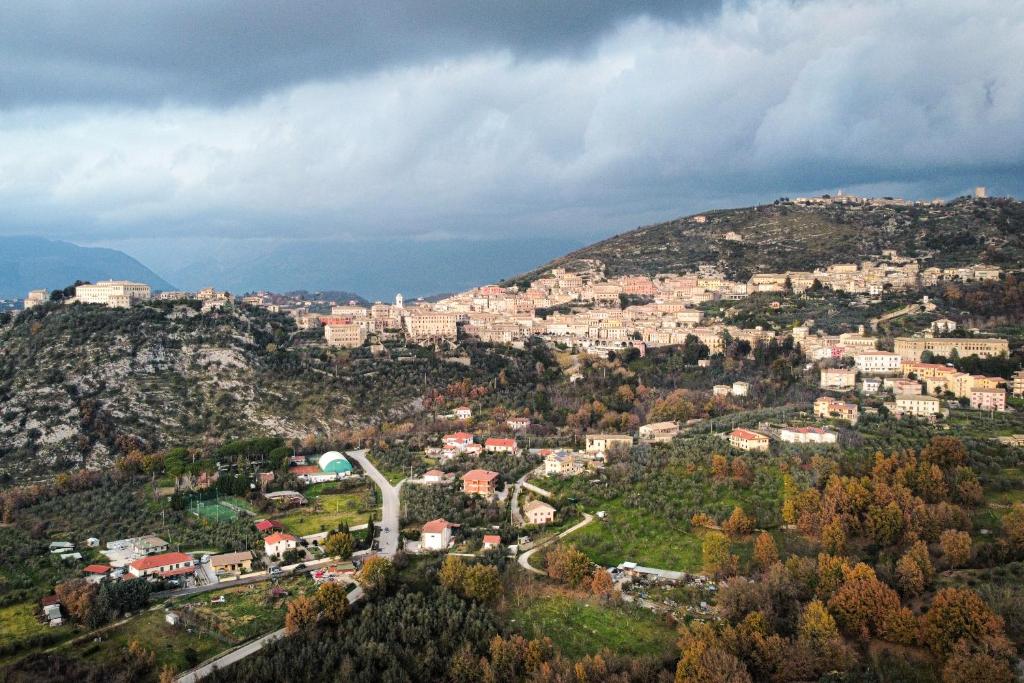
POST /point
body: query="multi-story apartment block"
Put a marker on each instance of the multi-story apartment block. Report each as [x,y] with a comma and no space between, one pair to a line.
[918,405]
[838,379]
[988,399]
[877,362]
[346,335]
[426,324]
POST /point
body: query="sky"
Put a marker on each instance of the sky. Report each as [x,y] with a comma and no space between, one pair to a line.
[192,134]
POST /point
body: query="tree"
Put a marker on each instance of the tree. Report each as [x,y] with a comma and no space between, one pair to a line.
[909,576]
[300,614]
[705,663]
[960,614]
[481,583]
[601,582]
[739,523]
[765,552]
[956,547]
[166,674]
[719,467]
[377,574]
[967,666]
[339,544]
[332,599]
[718,561]
[817,630]
[1013,525]
[452,573]
[833,537]
[568,565]
[78,597]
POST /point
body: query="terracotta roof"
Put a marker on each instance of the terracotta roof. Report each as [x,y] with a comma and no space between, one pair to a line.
[461,436]
[433,473]
[161,560]
[49,600]
[278,537]
[436,526]
[267,525]
[501,442]
[479,475]
[492,538]
[537,505]
[231,558]
[97,569]
[740,433]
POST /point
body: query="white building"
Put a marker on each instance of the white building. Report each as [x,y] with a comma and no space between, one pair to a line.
[36,297]
[838,379]
[918,405]
[877,362]
[277,543]
[806,435]
[437,535]
[113,293]
[740,388]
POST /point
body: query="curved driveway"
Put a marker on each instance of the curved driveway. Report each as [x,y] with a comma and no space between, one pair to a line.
[524,559]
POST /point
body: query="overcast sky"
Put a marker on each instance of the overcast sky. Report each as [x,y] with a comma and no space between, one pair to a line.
[134,123]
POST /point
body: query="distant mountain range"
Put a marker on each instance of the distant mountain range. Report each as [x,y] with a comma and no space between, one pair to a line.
[36,263]
[376,269]
[786,236]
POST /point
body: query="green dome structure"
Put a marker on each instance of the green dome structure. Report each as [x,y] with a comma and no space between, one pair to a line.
[334,462]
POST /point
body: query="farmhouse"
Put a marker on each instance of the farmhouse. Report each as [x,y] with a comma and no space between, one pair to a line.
[747,440]
[538,512]
[658,432]
[605,443]
[278,543]
[437,535]
[496,445]
[163,565]
[232,563]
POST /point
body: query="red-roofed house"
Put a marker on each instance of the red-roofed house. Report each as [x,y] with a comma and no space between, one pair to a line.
[437,535]
[491,541]
[265,526]
[96,572]
[481,482]
[496,445]
[747,440]
[277,543]
[459,440]
[164,564]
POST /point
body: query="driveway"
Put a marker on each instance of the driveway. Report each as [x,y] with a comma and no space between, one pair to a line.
[524,559]
[517,517]
[389,504]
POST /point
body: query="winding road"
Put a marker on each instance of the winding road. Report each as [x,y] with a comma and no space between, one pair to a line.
[524,559]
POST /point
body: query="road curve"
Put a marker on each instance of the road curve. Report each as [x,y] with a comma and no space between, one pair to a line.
[524,559]
[389,504]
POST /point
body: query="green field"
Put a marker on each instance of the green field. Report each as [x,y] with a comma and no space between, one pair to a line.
[334,508]
[219,509]
[18,622]
[580,627]
[628,534]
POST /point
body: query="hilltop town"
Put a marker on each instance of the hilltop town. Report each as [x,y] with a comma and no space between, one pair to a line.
[634,453]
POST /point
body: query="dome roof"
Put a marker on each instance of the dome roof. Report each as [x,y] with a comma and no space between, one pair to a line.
[333,461]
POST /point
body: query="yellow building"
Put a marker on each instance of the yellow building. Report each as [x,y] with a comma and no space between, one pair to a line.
[911,348]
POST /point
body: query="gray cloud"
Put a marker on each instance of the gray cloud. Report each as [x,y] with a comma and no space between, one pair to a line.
[435,124]
[221,51]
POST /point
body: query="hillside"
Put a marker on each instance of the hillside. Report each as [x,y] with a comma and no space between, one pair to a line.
[80,384]
[785,236]
[35,263]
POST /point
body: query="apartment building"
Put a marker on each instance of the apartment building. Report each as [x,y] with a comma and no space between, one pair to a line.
[480,482]
[877,362]
[988,399]
[346,335]
[838,379]
[918,405]
[605,443]
[426,324]
[827,407]
[802,435]
[1018,383]
[562,464]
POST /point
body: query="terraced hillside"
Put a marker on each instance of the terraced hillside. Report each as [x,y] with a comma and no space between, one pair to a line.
[786,236]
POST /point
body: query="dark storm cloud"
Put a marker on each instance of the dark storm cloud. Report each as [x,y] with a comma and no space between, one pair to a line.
[221,51]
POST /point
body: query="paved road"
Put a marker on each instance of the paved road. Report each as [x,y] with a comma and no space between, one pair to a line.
[241,652]
[390,504]
[524,559]
[517,517]
[196,590]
